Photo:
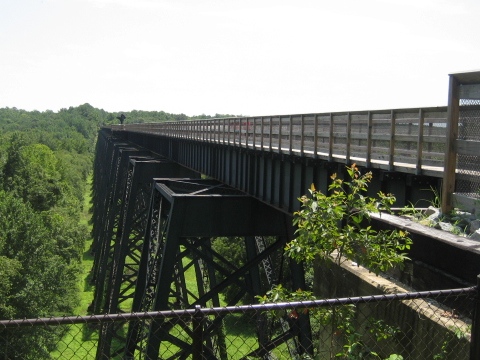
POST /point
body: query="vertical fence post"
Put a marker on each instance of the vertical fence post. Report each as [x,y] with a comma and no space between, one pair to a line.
[302,141]
[228,131]
[315,137]
[261,132]
[391,155]
[254,135]
[475,336]
[240,133]
[279,134]
[197,335]
[331,140]
[450,162]
[349,139]
[368,155]
[290,134]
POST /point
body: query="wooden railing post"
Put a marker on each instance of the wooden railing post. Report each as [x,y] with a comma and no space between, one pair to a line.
[270,133]
[262,134]
[254,133]
[331,139]
[349,139]
[290,135]
[302,135]
[315,137]
[368,155]
[279,134]
[391,155]
[450,162]
[420,140]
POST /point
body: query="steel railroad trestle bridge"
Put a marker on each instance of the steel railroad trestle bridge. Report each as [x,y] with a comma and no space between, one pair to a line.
[163,191]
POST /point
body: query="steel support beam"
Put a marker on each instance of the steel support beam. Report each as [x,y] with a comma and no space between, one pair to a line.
[125,251]
[109,223]
[184,215]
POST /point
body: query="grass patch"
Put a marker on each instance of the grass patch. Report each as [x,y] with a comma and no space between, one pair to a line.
[86,289]
[80,341]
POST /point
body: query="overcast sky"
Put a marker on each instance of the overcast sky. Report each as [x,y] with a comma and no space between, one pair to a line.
[250,57]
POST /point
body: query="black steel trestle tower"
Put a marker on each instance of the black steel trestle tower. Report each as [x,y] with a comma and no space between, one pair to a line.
[154,223]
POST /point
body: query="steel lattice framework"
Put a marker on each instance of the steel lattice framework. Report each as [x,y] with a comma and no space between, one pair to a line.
[154,221]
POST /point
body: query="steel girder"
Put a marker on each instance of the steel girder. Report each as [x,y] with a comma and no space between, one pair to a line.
[102,182]
[272,176]
[184,215]
[104,186]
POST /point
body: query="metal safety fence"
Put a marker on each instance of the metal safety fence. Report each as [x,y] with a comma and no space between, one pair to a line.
[468,163]
[435,325]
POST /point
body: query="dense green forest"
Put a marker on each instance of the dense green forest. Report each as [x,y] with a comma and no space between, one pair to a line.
[45,159]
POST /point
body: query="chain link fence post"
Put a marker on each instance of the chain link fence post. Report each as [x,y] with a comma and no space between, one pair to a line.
[197,336]
[475,335]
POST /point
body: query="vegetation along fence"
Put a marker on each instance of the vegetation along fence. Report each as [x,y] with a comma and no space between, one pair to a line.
[440,324]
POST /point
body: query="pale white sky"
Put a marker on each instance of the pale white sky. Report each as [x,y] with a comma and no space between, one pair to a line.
[251,57]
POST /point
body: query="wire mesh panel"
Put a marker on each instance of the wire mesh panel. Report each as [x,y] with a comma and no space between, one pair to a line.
[469,122]
[468,165]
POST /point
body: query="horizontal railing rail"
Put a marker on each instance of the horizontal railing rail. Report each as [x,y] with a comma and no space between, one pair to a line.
[190,313]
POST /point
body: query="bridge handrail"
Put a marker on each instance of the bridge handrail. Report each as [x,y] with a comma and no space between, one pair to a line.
[410,140]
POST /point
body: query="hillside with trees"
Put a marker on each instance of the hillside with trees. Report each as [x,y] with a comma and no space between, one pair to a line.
[45,160]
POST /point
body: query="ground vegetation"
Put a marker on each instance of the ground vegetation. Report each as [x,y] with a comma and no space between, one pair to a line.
[45,160]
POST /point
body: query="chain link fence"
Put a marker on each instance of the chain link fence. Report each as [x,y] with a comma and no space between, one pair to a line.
[468,165]
[416,325]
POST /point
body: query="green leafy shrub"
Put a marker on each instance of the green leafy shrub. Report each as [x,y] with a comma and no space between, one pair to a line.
[335,226]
